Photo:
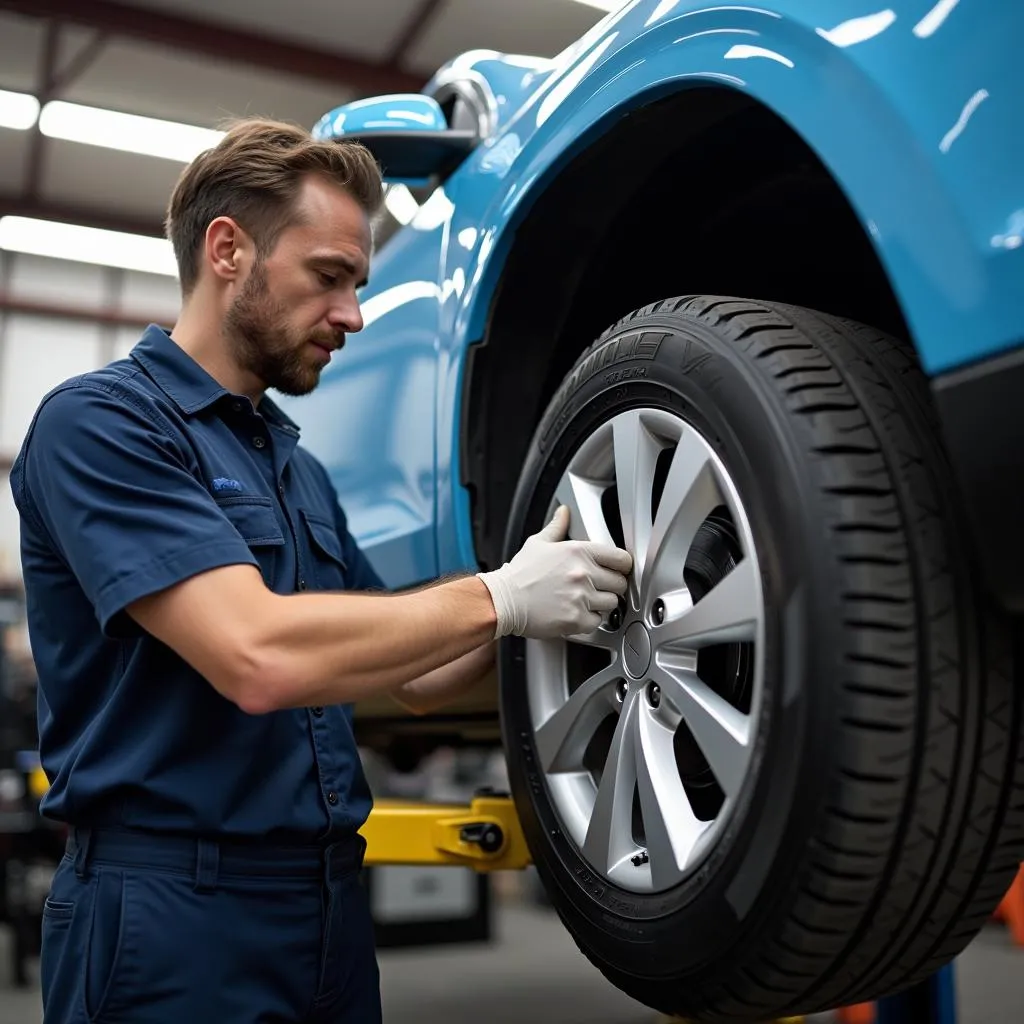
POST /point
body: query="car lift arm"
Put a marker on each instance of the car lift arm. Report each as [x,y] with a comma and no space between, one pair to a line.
[485,835]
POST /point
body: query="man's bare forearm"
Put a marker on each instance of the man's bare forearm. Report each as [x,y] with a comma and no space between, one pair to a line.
[337,648]
[266,651]
[436,689]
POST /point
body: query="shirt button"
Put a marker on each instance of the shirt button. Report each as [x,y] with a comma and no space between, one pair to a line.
[258,441]
[332,797]
[236,405]
[318,712]
[301,584]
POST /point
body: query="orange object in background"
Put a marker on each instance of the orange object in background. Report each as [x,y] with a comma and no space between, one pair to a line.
[1011,910]
[859,1013]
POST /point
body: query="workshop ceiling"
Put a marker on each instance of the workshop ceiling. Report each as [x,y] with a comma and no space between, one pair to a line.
[201,62]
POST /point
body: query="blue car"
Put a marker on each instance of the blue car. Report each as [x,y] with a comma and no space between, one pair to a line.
[743,286]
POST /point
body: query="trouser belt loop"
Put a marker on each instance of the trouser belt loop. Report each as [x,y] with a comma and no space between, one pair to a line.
[83,845]
[207,865]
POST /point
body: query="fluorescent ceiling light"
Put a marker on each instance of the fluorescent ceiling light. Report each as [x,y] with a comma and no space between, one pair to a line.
[87,245]
[18,110]
[130,133]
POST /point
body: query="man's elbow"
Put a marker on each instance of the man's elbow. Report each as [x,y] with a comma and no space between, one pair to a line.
[254,679]
[224,623]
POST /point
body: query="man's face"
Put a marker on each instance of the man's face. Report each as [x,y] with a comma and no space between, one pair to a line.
[297,305]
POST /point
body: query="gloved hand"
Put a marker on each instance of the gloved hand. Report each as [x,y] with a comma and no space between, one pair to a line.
[555,587]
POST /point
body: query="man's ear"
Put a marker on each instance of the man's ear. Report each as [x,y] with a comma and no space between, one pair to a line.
[226,248]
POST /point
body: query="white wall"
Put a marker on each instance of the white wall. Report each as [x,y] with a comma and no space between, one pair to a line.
[39,350]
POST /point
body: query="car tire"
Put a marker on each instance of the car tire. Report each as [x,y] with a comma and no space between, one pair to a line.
[845,808]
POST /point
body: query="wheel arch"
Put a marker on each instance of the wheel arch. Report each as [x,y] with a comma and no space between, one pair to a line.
[703,163]
[846,105]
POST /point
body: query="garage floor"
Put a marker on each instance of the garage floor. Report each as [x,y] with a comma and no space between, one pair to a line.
[533,973]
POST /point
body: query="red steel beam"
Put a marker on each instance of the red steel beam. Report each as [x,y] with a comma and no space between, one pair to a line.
[64,311]
[215,40]
[44,209]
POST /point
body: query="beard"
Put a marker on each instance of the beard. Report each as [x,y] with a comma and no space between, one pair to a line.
[264,344]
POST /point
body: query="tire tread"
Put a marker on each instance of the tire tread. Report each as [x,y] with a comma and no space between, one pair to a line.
[923,830]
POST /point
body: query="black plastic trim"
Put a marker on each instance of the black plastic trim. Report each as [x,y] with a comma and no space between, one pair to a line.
[416,154]
[982,412]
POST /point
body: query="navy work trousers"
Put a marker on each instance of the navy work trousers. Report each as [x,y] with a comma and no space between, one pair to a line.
[157,930]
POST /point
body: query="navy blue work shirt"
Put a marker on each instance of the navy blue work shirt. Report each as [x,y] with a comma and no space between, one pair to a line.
[132,478]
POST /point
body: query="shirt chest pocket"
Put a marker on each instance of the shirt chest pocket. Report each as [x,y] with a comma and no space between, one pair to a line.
[326,560]
[255,520]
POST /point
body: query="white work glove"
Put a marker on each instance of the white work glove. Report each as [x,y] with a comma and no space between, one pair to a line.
[555,587]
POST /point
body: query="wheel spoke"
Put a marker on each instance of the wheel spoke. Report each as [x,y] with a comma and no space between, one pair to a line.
[586,518]
[563,738]
[670,826]
[722,731]
[691,492]
[636,453]
[662,630]
[606,639]
[610,832]
[727,613]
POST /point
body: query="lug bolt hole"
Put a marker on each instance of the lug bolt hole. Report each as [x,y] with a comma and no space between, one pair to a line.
[621,688]
[615,619]
[653,694]
[658,612]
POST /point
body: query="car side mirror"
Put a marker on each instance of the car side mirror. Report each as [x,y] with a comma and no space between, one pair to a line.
[407,134]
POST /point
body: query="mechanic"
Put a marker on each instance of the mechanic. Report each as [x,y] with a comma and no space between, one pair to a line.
[202,621]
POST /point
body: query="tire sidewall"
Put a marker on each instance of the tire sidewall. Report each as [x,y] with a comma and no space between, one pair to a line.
[683,366]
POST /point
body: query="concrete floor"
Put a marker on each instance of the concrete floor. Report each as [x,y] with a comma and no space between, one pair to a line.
[532,972]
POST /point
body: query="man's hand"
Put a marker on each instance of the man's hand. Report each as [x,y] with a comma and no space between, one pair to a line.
[555,587]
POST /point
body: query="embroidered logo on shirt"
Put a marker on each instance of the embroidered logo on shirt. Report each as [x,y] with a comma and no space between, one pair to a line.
[225,483]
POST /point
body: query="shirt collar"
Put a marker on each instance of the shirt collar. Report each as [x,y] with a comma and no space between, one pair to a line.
[184,381]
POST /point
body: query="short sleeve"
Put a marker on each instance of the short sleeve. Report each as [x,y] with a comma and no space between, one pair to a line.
[111,487]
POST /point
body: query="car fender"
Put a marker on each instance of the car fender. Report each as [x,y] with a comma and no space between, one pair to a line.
[910,110]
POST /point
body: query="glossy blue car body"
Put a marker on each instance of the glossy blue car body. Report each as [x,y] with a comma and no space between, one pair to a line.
[914,109]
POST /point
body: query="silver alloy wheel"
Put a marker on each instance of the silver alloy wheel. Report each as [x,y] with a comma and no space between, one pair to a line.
[633,815]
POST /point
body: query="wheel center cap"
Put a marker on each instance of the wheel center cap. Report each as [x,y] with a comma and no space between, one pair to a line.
[636,650]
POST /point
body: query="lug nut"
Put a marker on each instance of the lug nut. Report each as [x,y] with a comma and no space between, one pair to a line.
[615,619]
[658,612]
[653,694]
[621,689]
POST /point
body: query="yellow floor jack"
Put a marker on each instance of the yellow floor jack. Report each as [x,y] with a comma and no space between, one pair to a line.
[486,835]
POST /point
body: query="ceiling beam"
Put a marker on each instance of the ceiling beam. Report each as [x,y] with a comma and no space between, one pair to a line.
[45,209]
[220,41]
[44,87]
[64,311]
[51,80]
[413,30]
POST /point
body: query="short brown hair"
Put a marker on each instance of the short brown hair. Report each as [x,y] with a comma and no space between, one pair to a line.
[253,176]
